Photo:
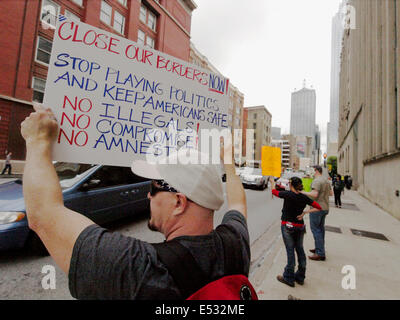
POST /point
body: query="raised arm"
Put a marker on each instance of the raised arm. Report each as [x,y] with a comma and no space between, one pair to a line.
[274,192]
[57,226]
[234,188]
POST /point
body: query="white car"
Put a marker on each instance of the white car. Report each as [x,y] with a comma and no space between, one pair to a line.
[253,178]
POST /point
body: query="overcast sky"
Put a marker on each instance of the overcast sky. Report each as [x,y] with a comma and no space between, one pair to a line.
[267,48]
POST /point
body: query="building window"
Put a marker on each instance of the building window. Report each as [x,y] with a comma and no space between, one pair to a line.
[145,39]
[49,13]
[123,2]
[141,37]
[78,2]
[43,50]
[38,86]
[148,17]
[119,22]
[255,116]
[254,125]
[71,16]
[151,21]
[150,42]
[105,13]
[143,14]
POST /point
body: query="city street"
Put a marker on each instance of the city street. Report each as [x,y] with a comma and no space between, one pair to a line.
[21,272]
[128,99]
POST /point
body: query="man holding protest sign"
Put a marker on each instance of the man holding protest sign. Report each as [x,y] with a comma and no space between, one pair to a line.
[105,265]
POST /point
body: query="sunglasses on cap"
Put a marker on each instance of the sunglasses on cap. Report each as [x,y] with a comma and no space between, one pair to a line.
[161,186]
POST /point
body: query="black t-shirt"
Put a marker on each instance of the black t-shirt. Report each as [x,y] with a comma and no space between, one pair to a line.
[293,205]
[108,265]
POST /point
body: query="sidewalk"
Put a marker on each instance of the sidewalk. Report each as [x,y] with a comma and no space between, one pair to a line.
[376,262]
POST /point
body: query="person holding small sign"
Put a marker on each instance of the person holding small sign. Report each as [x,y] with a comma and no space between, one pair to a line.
[108,265]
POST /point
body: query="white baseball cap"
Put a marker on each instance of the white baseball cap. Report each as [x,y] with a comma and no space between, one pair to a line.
[201,183]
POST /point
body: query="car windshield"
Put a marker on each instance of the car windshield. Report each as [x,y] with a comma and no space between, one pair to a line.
[71,173]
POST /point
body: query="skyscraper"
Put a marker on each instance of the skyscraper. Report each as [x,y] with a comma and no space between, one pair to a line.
[303,115]
[276,133]
[302,118]
[333,124]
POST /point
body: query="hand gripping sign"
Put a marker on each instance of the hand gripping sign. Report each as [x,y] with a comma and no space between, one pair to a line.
[116,101]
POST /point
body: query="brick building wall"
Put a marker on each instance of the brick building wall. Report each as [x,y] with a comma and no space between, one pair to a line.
[25,40]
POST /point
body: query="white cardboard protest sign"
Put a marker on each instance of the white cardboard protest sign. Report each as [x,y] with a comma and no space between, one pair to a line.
[117,101]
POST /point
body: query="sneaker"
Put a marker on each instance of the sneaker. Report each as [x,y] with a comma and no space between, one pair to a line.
[299,282]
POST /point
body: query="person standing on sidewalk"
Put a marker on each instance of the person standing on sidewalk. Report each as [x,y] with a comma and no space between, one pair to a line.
[337,190]
[7,163]
[321,190]
[293,229]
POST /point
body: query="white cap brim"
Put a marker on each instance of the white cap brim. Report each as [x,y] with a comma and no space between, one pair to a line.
[146,170]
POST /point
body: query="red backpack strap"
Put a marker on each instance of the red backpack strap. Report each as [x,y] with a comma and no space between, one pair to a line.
[182,266]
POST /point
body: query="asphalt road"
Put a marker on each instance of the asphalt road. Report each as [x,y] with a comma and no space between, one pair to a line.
[22,274]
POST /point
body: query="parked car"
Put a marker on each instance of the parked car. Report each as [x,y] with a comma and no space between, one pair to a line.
[253,178]
[102,193]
